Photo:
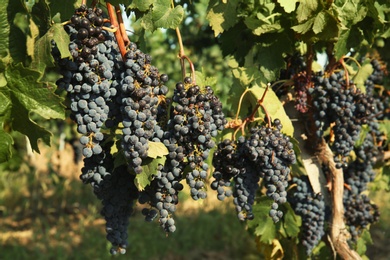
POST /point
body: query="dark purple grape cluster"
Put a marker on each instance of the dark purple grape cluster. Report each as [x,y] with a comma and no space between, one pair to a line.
[311,208]
[87,77]
[141,87]
[196,118]
[266,153]
[359,213]
[295,71]
[381,98]
[104,91]
[109,93]
[341,106]
[162,196]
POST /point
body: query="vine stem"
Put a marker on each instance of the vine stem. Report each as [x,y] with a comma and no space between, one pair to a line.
[122,27]
[118,34]
[284,81]
[309,59]
[260,104]
[182,54]
[346,71]
[338,233]
[251,117]
[353,59]
[240,103]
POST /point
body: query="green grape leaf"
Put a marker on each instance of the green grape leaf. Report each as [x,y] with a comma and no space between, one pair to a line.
[6,143]
[59,35]
[40,14]
[341,46]
[362,242]
[157,150]
[4,32]
[291,222]
[288,5]
[362,75]
[262,224]
[166,17]
[203,81]
[35,96]
[146,22]
[142,5]
[246,75]
[306,9]
[13,35]
[274,107]
[119,157]
[42,57]
[5,103]
[22,22]
[304,27]
[22,123]
[382,179]
[271,53]
[65,10]
[30,95]
[222,15]
[320,22]
[262,26]
[351,13]
[149,167]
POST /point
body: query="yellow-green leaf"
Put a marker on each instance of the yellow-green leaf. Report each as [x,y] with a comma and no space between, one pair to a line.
[157,150]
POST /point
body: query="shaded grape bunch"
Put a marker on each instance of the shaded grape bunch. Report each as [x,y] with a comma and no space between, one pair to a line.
[311,207]
[266,153]
[235,175]
[361,171]
[196,117]
[228,163]
[117,192]
[359,213]
[118,195]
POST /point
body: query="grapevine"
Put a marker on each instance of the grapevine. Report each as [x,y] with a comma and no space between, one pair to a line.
[279,109]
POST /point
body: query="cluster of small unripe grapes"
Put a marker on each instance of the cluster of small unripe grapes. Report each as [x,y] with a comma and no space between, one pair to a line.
[266,153]
[108,94]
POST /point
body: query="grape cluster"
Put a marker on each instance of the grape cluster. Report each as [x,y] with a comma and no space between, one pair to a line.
[142,86]
[341,106]
[162,194]
[266,154]
[87,76]
[311,207]
[359,213]
[109,92]
[196,118]
[381,99]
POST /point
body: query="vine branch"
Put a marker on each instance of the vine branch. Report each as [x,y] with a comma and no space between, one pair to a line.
[118,34]
[182,56]
[338,234]
[122,28]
